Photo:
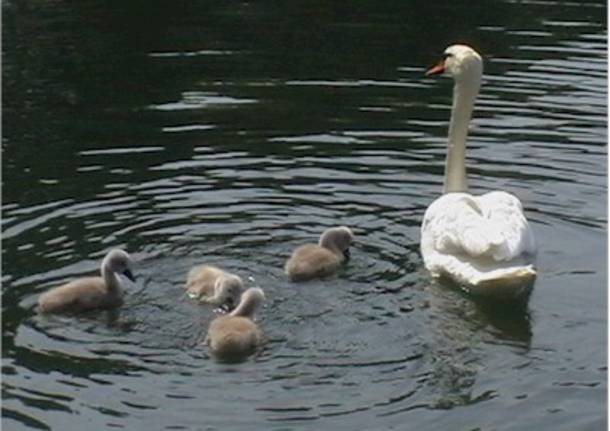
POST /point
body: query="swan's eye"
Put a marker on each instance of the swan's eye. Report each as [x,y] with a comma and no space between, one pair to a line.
[446,55]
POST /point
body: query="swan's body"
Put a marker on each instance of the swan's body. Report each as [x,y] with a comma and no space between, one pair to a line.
[236,336]
[319,260]
[90,292]
[213,285]
[484,243]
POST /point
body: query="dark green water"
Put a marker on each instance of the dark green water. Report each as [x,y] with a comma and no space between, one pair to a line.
[189,132]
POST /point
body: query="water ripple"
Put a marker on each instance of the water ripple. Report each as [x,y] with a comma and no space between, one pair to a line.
[239,158]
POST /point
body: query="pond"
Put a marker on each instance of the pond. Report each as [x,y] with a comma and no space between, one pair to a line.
[193,133]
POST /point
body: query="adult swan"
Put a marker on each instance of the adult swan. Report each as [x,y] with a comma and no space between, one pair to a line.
[483,243]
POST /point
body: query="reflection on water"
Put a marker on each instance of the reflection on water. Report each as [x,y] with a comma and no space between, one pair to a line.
[229,136]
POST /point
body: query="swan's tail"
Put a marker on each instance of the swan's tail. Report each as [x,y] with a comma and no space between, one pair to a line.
[495,281]
[512,283]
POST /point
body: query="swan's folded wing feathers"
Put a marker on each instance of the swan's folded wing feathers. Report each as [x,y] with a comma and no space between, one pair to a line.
[456,223]
[505,215]
[492,225]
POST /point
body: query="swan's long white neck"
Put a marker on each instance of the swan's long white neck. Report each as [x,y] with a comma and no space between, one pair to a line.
[465,92]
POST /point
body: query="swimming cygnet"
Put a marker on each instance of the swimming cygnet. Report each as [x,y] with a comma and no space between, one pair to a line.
[318,260]
[90,292]
[213,285]
[234,336]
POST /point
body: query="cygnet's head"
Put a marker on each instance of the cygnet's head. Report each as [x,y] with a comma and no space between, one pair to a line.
[337,239]
[228,289]
[250,301]
[460,62]
[120,262]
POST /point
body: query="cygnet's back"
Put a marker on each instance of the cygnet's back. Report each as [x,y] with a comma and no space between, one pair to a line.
[213,285]
[235,336]
[320,260]
[88,293]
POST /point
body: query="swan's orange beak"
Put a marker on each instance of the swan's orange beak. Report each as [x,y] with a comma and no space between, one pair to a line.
[438,69]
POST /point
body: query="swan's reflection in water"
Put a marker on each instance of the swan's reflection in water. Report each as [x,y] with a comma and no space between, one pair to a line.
[458,333]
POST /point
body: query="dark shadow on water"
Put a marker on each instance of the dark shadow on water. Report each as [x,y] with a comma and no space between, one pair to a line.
[509,318]
[512,320]
[459,330]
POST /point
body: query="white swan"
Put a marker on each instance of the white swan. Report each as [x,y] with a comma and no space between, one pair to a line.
[236,336]
[483,243]
[87,293]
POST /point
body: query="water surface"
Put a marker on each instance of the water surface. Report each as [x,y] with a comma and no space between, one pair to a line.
[195,133]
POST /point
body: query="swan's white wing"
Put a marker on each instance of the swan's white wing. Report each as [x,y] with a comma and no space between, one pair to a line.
[490,227]
[483,242]
[504,214]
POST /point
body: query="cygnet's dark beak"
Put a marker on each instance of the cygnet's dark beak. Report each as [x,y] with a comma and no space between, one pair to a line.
[127,273]
[346,254]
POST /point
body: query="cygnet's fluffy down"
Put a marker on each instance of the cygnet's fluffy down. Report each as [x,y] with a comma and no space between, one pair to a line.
[215,286]
[88,293]
[319,260]
[235,336]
